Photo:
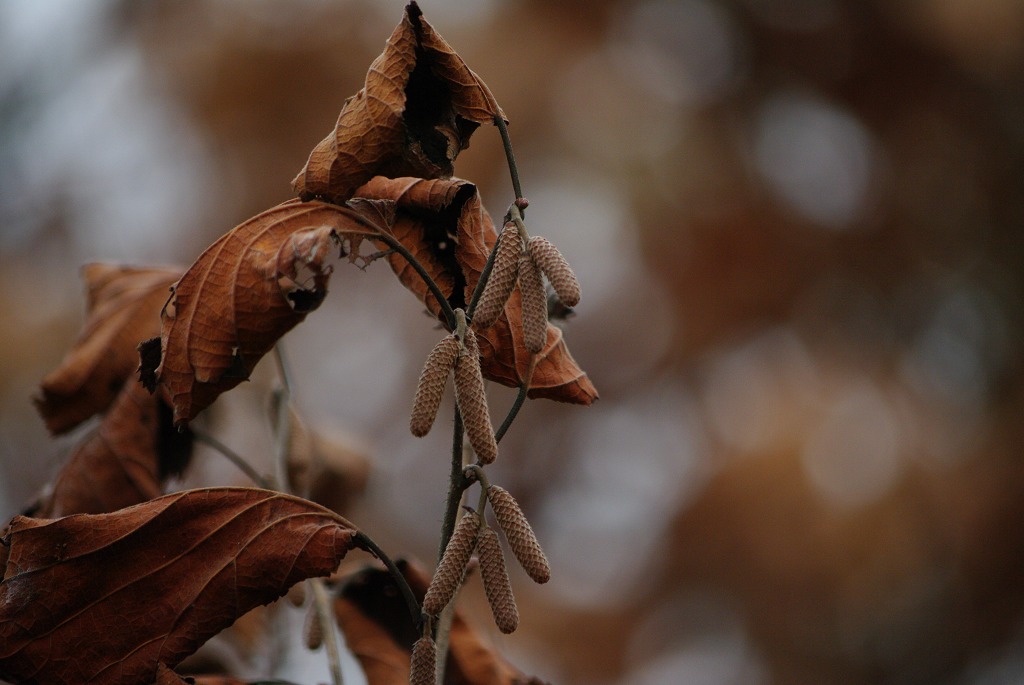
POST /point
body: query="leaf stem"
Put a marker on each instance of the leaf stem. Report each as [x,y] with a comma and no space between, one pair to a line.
[435,289]
[415,610]
[232,456]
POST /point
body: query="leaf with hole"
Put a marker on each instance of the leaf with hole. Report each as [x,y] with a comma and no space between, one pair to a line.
[416,112]
[253,285]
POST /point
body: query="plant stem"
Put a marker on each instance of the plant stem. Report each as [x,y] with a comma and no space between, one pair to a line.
[457,483]
[513,411]
[482,281]
[322,605]
[232,456]
[415,611]
[509,155]
[435,289]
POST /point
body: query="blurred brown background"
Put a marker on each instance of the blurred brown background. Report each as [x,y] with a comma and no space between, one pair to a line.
[798,228]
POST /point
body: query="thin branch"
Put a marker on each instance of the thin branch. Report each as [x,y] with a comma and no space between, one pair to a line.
[478,291]
[435,289]
[509,155]
[457,484]
[282,368]
[513,411]
[232,456]
[322,606]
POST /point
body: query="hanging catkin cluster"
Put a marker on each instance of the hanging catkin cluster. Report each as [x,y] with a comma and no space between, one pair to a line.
[470,394]
[473,535]
[526,264]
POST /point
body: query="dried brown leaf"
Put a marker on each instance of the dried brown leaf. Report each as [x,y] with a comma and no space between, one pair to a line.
[106,598]
[123,461]
[416,112]
[379,632]
[443,224]
[123,307]
[248,289]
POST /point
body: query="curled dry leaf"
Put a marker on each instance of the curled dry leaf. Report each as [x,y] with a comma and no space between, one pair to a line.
[123,306]
[444,224]
[126,591]
[248,289]
[378,631]
[416,112]
[123,461]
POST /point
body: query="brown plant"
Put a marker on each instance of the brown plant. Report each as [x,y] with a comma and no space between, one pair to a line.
[119,583]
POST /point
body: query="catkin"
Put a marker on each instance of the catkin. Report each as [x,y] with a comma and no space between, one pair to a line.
[472,400]
[519,534]
[452,566]
[553,265]
[502,279]
[297,594]
[496,582]
[421,663]
[535,304]
[430,388]
[314,629]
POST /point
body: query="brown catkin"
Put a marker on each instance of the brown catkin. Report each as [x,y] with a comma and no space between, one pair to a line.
[314,629]
[472,400]
[430,389]
[496,582]
[553,265]
[297,594]
[519,534]
[452,566]
[421,663]
[535,304]
[502,279]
